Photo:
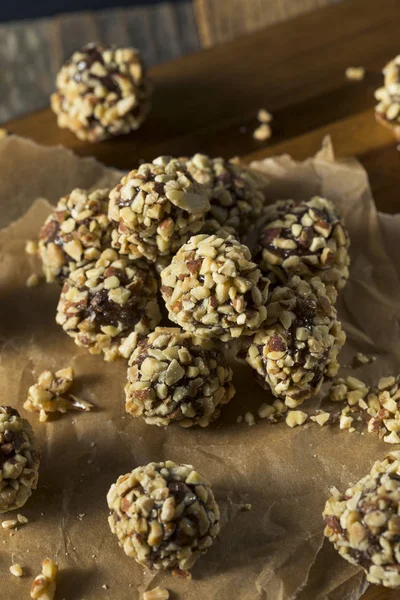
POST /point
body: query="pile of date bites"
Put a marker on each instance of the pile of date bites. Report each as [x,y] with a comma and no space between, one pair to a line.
[178,226]
[176,231]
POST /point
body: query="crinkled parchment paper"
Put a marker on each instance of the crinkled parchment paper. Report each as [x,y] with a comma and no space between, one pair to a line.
[273,551]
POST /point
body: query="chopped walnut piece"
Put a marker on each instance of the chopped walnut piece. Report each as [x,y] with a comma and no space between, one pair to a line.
[44,585]
[249,419]
[295,418]
[48,394]
[33,280]
[16,570]
[264,116]
[263,132]
[156,594]
[355,73]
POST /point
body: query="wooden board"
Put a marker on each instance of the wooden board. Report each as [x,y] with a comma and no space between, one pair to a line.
[208,101]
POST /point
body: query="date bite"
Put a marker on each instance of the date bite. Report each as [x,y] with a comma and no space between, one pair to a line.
[156,208]
[106,304]
[102,92]
[307,239]
[175,377]
[298,344]
[164,515]
[19,459]
[364,523]
[214,289]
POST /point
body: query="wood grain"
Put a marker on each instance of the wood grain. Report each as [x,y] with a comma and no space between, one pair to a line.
[31,52]
[222,21]
[208,102]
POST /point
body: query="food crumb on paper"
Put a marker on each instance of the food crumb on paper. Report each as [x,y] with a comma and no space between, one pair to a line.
[264,116]
[355,73]
[16,570]
[33,280]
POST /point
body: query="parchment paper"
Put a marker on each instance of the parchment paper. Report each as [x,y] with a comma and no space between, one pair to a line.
[274,551]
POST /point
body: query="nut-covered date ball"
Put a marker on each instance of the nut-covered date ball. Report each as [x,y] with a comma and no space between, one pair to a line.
[299,341]
[236,193]
[307,239]
[214,289]
[104,302]
[164,515]
[156,208]
[364,523]
[19,460]
[75,233]
[102,92]
[174,376]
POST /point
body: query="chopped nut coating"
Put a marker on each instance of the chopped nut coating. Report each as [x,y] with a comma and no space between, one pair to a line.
[174,376]
[214,289]
[19,460]
[236,193]
[104,302]
[44,585]
[306,239]
[156,209]
[164,515]
[364,524]
[74,234]
[298,343]
[102,92]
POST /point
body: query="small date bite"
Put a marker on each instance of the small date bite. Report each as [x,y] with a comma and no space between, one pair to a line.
[174,376]
[387,110]
[214,289]
[50,394]
[307,239]
[19,459]
[236,193]
[156,208]
[104,302]
[364,523]
[75,233]
[298,343]
[102,92]
[164,515]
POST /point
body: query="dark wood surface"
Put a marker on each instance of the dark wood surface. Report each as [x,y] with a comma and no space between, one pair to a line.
[208,102]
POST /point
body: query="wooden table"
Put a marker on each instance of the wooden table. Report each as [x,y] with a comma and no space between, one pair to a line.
[208,101]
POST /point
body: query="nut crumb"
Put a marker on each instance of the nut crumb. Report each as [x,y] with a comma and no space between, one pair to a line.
[49,394]
[9,524]
[295,418]
[263,132]
[104,586]
[265,411]
[239,419]
[355,73]
[3,133]
[31,247]
[44,585]
[249,418]
[33,280]
[264,116]
[21,519]
[156,594]
[16,570]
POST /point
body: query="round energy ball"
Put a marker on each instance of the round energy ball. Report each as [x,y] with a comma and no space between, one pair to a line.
[307,239]
[213,289]
[174,376]
[103,302]
[236,193]
[156,208]
[299,341]
[164,515]
[102,92]
[364,523]
[75,233]
[387,111]
[19,459]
